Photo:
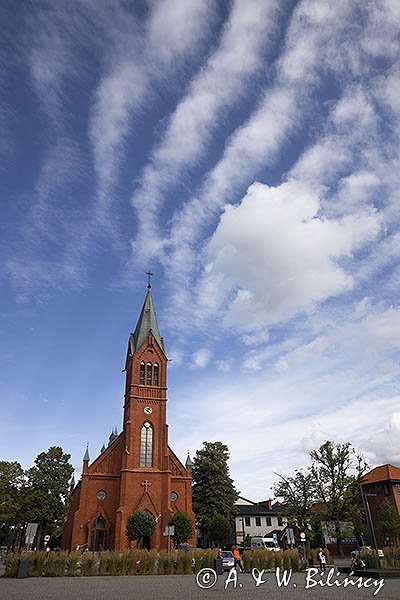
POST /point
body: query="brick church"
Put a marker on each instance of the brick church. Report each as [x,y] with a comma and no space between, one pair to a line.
[137,470]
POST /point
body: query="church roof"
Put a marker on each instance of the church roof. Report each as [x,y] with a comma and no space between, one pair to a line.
[147,321]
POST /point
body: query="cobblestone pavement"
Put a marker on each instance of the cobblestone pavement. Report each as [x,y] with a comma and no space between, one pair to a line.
[185,587]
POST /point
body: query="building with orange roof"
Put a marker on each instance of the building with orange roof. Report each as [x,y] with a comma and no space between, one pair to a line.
[379,484]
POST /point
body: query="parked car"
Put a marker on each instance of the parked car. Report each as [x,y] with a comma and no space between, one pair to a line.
[227,559]
[266,543]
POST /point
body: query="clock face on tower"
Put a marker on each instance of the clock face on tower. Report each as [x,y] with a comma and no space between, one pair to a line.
[148,410]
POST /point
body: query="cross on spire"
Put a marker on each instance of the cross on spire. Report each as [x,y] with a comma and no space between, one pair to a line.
[149,274]
[146,484]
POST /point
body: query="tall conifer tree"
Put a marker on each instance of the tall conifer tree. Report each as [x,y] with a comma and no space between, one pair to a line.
[214,493]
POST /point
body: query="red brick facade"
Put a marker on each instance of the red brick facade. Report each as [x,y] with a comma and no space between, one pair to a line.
[382,483]
[137,470]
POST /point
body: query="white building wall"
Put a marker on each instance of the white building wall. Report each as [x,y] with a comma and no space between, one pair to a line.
[252,529]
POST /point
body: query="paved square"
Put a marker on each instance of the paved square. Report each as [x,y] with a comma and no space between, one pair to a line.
[181,587]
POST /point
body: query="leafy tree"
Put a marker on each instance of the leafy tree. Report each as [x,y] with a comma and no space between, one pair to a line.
[140,524]
[299,496]
[11,481]
[389,520]
[183,528]
[220,529]
[214,494]
[333,470]
[44,496]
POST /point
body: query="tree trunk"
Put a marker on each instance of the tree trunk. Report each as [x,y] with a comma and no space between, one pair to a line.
[339,544]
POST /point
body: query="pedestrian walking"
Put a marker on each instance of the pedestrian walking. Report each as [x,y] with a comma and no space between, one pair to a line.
[236,557]
[322,560]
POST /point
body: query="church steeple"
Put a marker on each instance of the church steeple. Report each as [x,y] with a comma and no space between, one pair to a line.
[147,321]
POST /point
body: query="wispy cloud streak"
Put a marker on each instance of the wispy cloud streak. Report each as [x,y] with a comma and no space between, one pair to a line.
[247,39]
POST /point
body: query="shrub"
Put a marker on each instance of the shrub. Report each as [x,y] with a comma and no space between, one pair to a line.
[72,564]
[152,562]
[88,565]
[187,563]
[269,560]
[143,562]
[287,563]
[294,558]
[12,562]
[123,563]
[56,564]
[161,563]
[197,561]
[39,559]
[114,563]
[180,568]
[103,563]
[133,563]
[278,560]
[247,561]
[371,559]
[169,565]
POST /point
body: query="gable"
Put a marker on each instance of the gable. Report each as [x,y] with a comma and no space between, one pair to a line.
[109,461]
[175,464]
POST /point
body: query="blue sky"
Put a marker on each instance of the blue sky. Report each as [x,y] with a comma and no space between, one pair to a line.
[247,152]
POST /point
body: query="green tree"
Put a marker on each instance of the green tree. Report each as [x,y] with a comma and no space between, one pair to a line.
[183,528]
[141,524]
[11,482]
[298,493]
[214,494]
[45,493]
[389,521]
[220,530]
[337,473]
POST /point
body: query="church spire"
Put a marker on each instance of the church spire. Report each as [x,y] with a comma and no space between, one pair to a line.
[147,322]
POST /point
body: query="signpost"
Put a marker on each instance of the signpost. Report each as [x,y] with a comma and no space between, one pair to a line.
[303,541]
[169,531]
[290,537]
[30,533]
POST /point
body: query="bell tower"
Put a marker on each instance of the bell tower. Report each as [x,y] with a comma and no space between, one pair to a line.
[146,393]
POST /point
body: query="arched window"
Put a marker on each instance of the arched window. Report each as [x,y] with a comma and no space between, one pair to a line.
[149,371]
[155,374]
[142,368]
[146,445]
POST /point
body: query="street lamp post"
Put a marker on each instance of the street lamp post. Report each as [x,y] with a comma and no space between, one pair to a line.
[243,532]
[367,510]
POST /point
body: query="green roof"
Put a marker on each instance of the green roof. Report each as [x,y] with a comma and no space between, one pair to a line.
[147,321]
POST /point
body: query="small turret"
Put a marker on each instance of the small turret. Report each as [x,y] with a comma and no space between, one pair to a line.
[113,436]
[102,449]
[188,463]
[86,459]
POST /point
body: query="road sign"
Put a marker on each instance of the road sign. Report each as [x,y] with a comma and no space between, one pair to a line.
[169,530]
[303,536]
[290,536]
[30,533]
[275,536]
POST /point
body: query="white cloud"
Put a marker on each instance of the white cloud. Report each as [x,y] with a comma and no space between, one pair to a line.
[219,85]
[385,444]
[223,365]
[142,58]
[201,358]
[272,422]
[276,256]
[311,36]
